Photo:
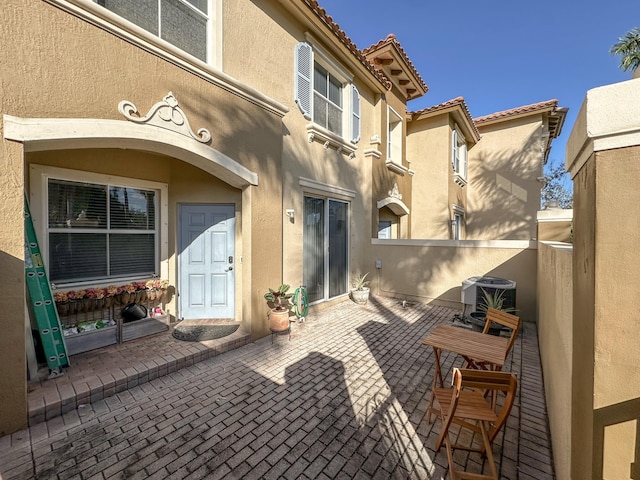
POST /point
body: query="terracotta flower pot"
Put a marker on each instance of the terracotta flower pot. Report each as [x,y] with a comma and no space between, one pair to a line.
[278,320]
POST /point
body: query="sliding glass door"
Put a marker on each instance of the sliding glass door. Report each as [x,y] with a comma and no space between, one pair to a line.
[326,258]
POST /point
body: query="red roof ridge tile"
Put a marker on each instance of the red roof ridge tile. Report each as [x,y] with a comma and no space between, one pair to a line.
[322,14]
[517,111]
[458,101]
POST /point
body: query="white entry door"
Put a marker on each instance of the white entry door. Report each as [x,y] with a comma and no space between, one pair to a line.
[207,261]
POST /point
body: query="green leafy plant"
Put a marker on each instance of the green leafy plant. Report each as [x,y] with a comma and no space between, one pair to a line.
[495,300]
[279,299]
[360,282]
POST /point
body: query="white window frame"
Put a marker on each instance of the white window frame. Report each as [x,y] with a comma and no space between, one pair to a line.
[40,175]
[457,222]
[213,11]
[385,230]
[394,136]
[459,157]
[347,139]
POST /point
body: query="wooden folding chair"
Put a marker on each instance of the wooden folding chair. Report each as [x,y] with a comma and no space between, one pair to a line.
[505,320]
[465,404]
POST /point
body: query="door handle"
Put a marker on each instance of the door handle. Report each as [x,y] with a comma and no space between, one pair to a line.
[228,269]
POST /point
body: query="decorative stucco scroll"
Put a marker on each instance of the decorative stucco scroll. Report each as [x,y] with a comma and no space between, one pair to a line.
[395,192]
[165,114]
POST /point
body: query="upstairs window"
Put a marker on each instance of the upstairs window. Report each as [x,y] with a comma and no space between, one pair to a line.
[459,157]
[394,137]
[327,100]
[325,95]
[183,23]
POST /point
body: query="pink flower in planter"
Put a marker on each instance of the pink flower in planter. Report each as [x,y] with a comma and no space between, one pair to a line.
[60,297]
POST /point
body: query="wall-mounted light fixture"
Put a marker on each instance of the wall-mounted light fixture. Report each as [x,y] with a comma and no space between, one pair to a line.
[290,213]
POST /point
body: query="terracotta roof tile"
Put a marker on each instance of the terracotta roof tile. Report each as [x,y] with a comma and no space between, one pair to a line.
[321,13]
[454,102]
[517,111]
[391,38]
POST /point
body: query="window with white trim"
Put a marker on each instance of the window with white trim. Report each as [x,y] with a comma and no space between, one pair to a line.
[457,223]
[183,23]
[384,229]
[394,137]
[325,94]
[459,157]
[97,228]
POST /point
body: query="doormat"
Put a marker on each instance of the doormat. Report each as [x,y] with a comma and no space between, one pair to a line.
[198,333]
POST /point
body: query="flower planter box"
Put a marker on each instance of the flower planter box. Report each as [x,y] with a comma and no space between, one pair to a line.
[85,341]
[144,327]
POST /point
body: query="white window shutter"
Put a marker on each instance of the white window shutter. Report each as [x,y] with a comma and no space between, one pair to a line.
[463,161]
[355,114]
[454,148]
[304,76]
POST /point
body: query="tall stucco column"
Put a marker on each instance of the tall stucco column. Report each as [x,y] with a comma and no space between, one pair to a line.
[13,380]
[603,158]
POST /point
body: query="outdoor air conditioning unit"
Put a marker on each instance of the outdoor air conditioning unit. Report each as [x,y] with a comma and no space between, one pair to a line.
[472,294]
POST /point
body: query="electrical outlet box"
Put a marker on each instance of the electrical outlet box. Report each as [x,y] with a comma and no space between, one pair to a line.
[378,263]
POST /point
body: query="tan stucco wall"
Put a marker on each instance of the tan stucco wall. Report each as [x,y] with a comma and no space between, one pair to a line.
[262,55]
[41,79]
[555,337]
[503,193]
[13,387]
[602,157]
[617,357]
[430,213]
[434,271]
[556,225]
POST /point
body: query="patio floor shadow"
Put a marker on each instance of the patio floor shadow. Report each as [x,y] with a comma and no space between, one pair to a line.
[345,397]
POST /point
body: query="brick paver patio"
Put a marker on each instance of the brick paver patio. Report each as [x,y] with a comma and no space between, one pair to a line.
[344,398]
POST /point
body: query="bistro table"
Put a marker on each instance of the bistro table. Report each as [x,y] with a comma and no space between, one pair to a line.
[481,347]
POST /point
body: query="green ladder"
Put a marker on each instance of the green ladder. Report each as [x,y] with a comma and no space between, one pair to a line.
[41,298]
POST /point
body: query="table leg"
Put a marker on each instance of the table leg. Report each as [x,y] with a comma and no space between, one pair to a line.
[434,384]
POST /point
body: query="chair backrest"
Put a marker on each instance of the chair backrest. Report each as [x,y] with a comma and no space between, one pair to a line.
[506,320]
[483,381]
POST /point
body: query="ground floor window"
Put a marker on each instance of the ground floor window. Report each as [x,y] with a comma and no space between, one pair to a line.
[98,232]
[325,250]
[457,223]
[384,229]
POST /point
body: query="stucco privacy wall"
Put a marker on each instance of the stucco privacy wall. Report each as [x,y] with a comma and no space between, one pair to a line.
[503,195]
[432,270]
[555,337]
[41,79]
[555,224]
[13,387]
[603,154]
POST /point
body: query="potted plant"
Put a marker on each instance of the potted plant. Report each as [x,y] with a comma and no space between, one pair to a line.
[495,300]
[360,290]
[279,304]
